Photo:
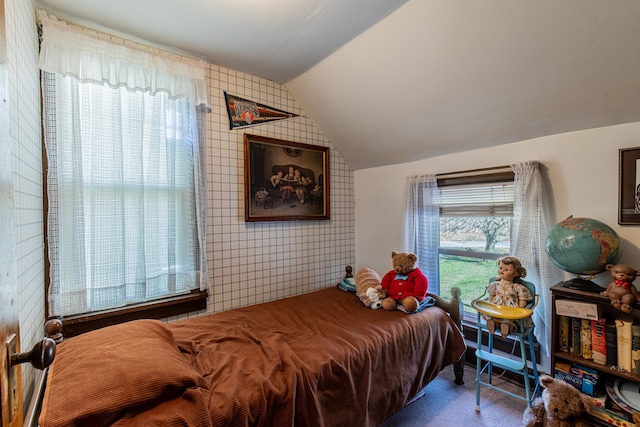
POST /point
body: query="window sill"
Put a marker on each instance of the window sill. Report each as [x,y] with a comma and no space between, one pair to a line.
[76,325]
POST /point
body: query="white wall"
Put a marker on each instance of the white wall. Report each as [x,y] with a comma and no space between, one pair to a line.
[580,170]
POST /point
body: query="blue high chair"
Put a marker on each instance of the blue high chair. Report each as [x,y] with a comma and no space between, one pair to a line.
[486,359]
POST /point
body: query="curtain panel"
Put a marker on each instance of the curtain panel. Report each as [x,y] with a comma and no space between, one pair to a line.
[531,225]
[92,56]
[122,125]
[422,225]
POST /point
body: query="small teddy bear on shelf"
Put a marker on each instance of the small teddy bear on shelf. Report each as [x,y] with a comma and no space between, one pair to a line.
[405,284]
[561,405]
[621,291]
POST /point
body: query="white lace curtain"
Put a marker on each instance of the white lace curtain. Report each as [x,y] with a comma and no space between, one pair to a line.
[531,225]
[422,225]
[125,179]
[92,56]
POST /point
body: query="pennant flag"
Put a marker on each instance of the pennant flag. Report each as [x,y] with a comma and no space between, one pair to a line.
[243,112]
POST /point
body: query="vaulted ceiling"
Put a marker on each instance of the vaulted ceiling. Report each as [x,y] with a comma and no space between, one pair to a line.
[390,81]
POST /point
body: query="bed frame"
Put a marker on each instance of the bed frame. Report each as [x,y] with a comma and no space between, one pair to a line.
[456,310]
[341,361]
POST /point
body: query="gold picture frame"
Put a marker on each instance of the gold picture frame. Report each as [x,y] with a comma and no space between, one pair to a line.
[275,189]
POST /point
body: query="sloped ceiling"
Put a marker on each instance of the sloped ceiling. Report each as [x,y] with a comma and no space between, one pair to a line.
[394,81]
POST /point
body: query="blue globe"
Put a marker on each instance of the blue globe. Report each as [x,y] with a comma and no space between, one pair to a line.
[583,246]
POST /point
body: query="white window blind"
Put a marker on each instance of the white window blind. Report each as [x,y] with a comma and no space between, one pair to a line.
[477,200]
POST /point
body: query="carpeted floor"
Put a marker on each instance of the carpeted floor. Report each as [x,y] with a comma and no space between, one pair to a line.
[449,405]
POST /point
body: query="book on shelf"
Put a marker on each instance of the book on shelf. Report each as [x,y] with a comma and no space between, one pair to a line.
[585,379]
[599,341]
[563,333]
[608,342]
[635,348]
[612,343]
[624,337]
[575,346]
[585,339]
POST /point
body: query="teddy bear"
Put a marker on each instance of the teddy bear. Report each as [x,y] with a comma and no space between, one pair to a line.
[405,284]
[621,291]
[561,405]
[368,288]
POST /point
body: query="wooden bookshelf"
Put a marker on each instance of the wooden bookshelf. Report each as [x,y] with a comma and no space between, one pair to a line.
[606,310]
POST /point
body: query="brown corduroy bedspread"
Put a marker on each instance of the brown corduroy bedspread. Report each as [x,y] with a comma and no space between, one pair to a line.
[319,359]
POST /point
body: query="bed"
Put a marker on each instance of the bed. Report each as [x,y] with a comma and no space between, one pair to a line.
[318,359]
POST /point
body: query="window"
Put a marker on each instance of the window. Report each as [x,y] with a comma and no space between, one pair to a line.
[528,226]
[123,179]
[126,211]
[474,231]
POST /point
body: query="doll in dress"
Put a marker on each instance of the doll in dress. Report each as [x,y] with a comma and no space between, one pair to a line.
[508,291]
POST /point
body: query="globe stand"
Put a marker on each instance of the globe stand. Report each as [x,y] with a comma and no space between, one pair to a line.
[580,284]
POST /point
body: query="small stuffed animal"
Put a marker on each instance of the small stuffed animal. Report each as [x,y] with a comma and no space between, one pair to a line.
[561,405]
[405,284]
[368,288]
[622,293]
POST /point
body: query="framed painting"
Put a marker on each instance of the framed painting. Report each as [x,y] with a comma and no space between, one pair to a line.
[629,186]
[285,180]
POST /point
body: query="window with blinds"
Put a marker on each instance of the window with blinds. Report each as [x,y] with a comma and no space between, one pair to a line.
[476,214]
[477,200]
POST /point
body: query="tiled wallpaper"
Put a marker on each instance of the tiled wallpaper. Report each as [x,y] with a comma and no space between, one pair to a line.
[26,156]
[260,261]
[248,262]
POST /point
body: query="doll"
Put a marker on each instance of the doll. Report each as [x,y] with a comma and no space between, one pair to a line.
[509,292]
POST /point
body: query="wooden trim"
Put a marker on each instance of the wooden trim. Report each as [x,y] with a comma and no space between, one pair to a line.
[479,171]
[505,176]
[45,213]
[79,324]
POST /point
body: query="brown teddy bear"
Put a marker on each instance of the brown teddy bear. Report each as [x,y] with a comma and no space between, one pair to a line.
[622,293]
[405,284]
[368,288]
[561,405]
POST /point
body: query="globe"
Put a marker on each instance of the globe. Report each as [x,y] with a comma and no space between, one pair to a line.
[583,246]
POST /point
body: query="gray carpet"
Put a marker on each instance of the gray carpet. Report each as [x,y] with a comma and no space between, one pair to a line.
[450,405]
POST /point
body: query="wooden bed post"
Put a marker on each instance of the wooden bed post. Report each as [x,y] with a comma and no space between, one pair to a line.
[456,311]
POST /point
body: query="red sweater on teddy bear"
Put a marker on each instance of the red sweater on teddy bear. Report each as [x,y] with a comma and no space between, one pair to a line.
[398,287]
